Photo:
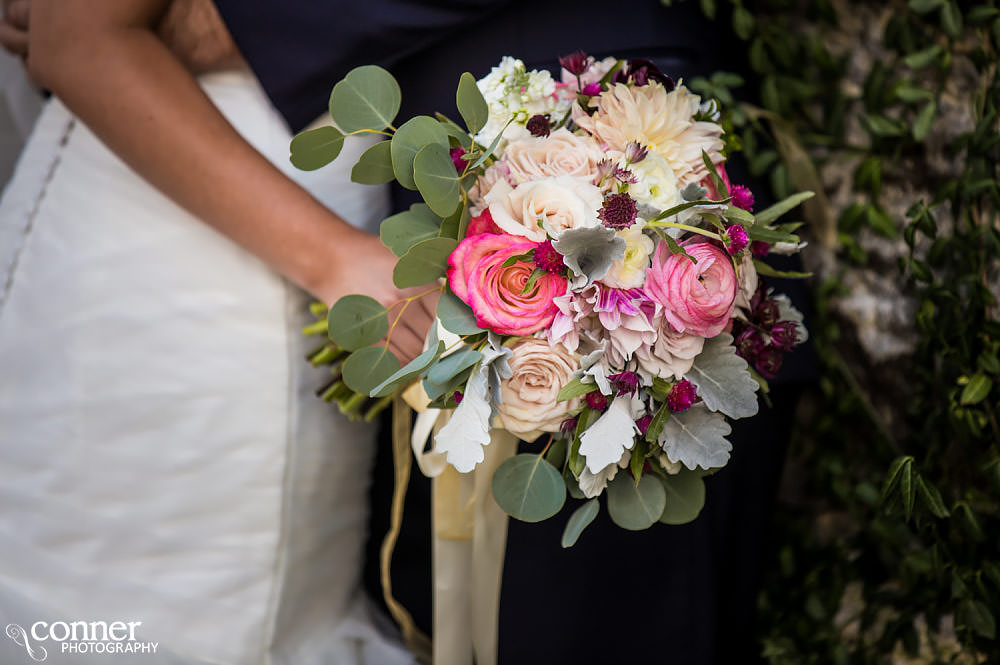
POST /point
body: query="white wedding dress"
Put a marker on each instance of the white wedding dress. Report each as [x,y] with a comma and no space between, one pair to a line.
[163,458]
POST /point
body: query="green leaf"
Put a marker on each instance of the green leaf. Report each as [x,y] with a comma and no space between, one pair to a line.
[739,216]
[579,521]
[924,120]
[409,139]
[660,419]
[635,506]
[408,372]
[536,274]
[444,390]
[368,367]
[765,234]
[681,207]
[921,59]
[355,321]
[768,215]
[471,104]
[976,389]
[314,148]
[367,98]
[405,229]
[931,498]
[455,224]
[453,365]
[720,185]
[437,180]
[907,491]
[883,126]
[677,249]
[912,93]
[685,497]
[423,263]
[374,167]
[977,616]
[768,271]
[637,462]
[951,19]
[492,148]
[586,418]
[575,388]
[528,488]
[924,6]
[743,22]
[893,476]
[456,316]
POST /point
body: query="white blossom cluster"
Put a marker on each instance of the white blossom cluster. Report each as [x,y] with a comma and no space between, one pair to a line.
[511,91]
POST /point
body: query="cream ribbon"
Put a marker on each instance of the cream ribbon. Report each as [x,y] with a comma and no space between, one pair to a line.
[470,539]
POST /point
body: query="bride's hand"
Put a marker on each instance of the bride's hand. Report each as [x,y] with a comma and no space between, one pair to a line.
[364,265]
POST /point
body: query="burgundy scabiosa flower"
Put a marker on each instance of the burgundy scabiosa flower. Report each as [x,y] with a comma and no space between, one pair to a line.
[548,259]
[643,424]
[736,239]
[784,334]
[681,397]
[769,362]
[575,63]
[742,197]
[767,313]
[596,400]
[619,211]
[759,248]
[641,72]
[456,157]
[625,382]
[749,344]
[568,426]
[538,125]
[591,90]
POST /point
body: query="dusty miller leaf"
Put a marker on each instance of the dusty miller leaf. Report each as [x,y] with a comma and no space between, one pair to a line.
[723,379]
[697,437]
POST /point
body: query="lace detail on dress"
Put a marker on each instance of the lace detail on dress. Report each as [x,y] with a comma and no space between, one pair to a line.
[17,235]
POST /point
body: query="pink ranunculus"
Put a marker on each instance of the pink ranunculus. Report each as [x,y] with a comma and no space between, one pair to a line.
[478,277]
[697,298]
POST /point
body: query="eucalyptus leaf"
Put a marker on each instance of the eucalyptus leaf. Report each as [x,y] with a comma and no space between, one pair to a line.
[635,506]
[409,371]
[410,138]
[697,437]
[423,263]
[436,179]
[528,488]
[456,316]
[367,98]
[453,364]
[685,497]
[356,321]
[374,167]
[578,521]
[405,229]
[723,379]
[368,367]
[471,105]
[315,148]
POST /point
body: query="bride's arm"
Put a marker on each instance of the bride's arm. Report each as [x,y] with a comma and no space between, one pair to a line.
[103,60]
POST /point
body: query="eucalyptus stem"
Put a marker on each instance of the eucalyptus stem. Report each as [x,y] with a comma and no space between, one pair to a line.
[684,227]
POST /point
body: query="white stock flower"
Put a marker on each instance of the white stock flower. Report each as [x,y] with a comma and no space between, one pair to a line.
[511,91]
[630,272]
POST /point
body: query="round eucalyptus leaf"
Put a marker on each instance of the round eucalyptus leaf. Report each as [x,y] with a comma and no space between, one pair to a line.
[367,98]
[436,178]
[408,140]
[423,263]
[685,497]
[471,104]
[579,521]
[409,371]
[368,367]
[355,321]
[405,229]
[374,167]
[315,148]
[529,488]
[635,507]
[456,316]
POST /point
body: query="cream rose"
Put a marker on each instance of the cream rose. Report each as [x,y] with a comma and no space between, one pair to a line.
[561,153]
[544,207]
[528,403]
[630,273]
[673,353]
[657,186]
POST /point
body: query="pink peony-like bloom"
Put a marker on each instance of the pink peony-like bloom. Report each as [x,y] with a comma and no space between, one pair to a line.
[697,298]
[477,276]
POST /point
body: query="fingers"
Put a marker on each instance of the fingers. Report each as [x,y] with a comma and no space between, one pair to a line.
[13,39]
[18,13]
[405,344]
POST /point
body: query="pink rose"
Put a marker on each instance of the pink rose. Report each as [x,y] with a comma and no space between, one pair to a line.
[478,277]
[697,298]
[529,403]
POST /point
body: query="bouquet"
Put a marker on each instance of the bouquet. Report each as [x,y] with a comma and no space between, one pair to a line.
[602,289]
